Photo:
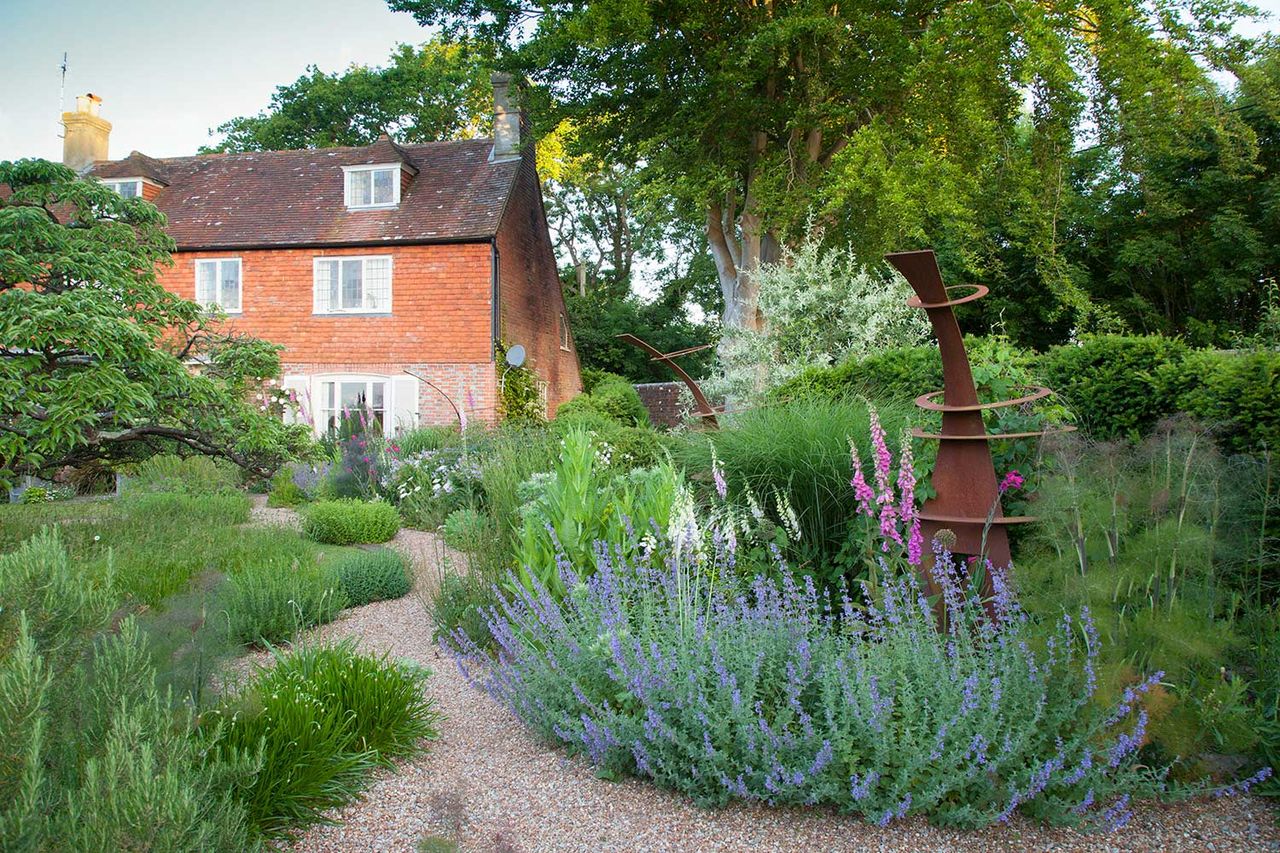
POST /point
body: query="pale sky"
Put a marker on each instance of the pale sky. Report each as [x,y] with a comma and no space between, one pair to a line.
[168,72]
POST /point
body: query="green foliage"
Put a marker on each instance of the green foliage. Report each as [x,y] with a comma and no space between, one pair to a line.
[321,719]
[270,602]
[1112,383]
[1165,543]
[459,608]
[465,528]
[601,315]
[580,503]
[99,370]
[799,451]
[92,756]
[377,575]
[437,91]
[426,438]
[611,397]
[36,495]
[347,521]
[1235,393]
[196,475]
[824,307]
[284,491]
[519,397]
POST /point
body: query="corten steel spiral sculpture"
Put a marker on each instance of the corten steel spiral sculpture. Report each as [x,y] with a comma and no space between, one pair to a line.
[964,477]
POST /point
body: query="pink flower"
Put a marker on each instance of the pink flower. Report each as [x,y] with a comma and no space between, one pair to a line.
[861,491]
[1012,480]
[906,479]
[884,462]
[915,543]
[889,525]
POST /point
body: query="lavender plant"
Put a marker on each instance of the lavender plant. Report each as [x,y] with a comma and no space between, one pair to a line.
[663,664]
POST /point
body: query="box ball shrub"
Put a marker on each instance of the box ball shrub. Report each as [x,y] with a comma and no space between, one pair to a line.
[376,575]
[347,521]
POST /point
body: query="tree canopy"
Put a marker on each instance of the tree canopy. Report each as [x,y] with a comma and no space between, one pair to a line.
[950,123]
[97,360]
[439,90]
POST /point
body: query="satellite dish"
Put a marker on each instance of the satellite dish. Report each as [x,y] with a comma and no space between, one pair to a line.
[515,355]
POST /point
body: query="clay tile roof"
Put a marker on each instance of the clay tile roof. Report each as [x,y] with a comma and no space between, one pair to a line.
[136,165]
[296,198]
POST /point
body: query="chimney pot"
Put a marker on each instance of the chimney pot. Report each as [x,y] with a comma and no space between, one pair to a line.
[85,136]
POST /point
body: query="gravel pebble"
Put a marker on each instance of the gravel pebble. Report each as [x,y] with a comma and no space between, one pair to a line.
[494,786]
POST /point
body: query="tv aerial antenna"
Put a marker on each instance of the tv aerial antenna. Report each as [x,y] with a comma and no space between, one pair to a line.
[62,91]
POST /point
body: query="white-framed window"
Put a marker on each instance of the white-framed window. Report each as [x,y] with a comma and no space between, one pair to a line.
[372,186]
[564,333]
[352,285]
[351,403]
[218,284]
[126,187]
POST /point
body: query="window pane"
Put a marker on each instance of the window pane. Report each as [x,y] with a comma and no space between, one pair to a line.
[383,190]
[353,395]
[351,277]
[327,395]
[128,189]
[379,392]
[377,284]
[361,188]
[206,282]
[230,296]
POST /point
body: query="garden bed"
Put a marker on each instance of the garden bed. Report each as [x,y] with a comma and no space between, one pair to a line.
[510,791]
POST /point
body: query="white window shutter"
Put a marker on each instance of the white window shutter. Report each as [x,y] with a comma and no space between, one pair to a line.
[298,407]
[404,402]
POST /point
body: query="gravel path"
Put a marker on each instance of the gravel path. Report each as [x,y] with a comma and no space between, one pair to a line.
[492,786]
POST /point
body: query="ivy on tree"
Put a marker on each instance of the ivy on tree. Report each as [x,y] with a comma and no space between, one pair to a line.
[98,362]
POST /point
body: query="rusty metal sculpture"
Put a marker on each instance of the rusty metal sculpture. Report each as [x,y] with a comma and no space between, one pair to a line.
[705,410]
[967,498]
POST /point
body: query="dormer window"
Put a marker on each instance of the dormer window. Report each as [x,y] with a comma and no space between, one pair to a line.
[372,186]
[127,188]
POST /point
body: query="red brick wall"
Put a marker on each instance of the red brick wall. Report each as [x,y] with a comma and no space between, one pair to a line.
[440,298]
[530,297]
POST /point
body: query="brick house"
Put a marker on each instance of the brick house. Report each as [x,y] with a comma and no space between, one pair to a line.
[389,273]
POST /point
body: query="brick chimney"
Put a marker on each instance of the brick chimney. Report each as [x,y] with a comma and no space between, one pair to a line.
[85,138]
[506,119]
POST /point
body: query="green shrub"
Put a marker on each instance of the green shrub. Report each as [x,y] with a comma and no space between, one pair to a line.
[271,602]
[323,717]
[465,528]
[581,503]
[593,376]
[197,475]
[459,605]
[1112,382]
[36,495]
[897,374]
[426,438]
[611,396]
[366,576]
[347,521]
[284,491]
[1237,394]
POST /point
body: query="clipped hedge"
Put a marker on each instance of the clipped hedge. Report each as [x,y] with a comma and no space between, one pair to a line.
[376,575]
[1112,382]
[347,521]
[1117,386]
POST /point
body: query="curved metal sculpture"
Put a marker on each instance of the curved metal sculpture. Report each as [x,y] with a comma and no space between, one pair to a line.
[705,409]
[967,498]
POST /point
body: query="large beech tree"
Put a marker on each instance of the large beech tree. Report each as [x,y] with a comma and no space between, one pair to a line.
[894,123]
[97,360]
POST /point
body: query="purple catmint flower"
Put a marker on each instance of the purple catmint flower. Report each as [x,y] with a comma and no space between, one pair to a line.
[1244,784]
[860,789]
[1118,815]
